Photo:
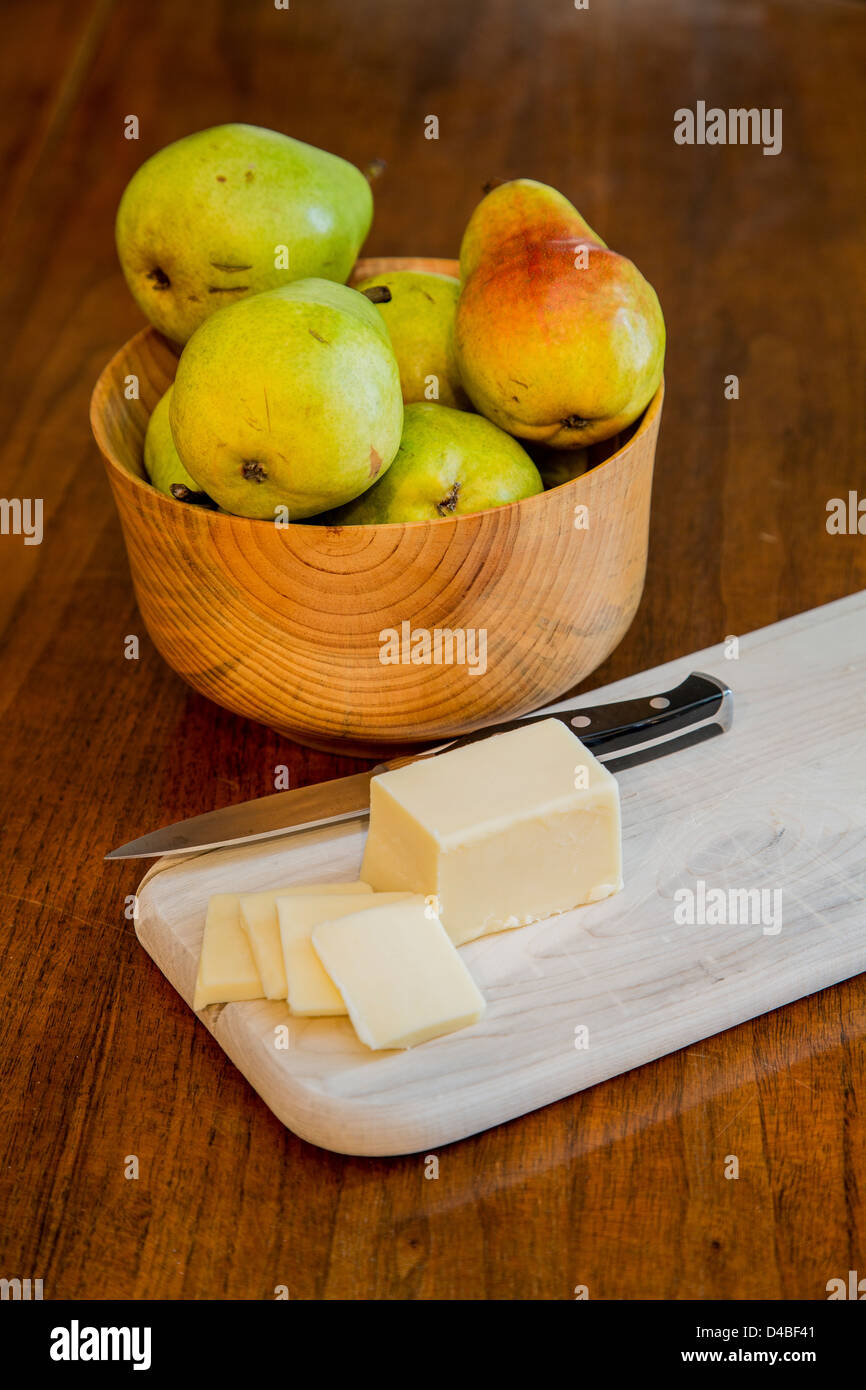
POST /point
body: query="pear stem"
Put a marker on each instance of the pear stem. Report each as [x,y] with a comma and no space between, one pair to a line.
[374,170]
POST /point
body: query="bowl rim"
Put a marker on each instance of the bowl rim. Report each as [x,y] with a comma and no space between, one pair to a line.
[645,423]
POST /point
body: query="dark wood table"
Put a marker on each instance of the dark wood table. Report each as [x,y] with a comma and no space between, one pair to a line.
[760,267]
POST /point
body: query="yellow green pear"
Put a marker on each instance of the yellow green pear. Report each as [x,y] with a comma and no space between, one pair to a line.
[232,211]
[288,403]
[450,462]
[419,316]
[558,339]
[162,462]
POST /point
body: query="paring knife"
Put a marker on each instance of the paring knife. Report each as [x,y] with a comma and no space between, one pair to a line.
[621,735]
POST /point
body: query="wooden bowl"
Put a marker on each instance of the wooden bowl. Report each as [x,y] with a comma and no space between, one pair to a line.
[283,624]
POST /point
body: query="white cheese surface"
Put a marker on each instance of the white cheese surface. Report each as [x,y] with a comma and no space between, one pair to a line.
[226,969]
[401,977]
[259,920]
[311,993]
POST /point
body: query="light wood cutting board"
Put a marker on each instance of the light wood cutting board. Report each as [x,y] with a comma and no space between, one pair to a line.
[779,803]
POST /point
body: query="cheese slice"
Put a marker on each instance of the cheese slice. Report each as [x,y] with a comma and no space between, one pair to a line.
[226,969]
[503,832]
[259,921]
[310,992]
[402,978]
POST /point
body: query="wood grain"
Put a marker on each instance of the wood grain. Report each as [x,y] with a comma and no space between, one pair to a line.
[284,624]
[759,267]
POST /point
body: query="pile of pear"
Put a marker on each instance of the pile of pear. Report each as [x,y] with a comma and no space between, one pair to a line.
[411,397]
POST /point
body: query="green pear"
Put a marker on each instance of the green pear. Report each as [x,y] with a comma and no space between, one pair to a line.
[420,320]
[162,462]
[232,211]
[288,399]
[450,462]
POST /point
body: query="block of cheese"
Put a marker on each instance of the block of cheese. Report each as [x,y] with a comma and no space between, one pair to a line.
[226,969]
[402,978]
[259,921]
[503,832]
[310,991]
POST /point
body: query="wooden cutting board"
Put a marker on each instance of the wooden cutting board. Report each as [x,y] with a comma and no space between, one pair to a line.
[779,804]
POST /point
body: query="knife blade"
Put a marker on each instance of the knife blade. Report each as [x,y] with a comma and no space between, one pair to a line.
[621,734]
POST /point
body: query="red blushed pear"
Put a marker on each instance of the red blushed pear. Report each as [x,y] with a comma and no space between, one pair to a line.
[558,338]
[521,210]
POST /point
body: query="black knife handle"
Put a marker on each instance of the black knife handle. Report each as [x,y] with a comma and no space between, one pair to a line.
[627,724]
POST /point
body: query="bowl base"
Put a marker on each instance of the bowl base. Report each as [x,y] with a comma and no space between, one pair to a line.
[357,748]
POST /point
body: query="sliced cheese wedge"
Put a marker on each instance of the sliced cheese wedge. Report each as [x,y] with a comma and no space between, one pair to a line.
[310,991]
[226,969]
[259,921]
[401,977]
